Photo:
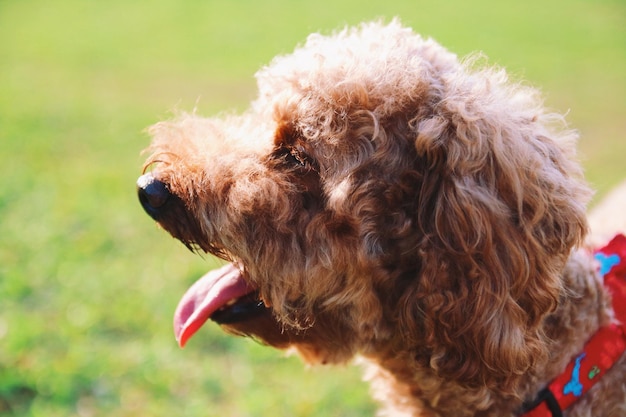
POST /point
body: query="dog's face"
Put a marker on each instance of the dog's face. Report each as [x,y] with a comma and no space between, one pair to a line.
[315,232]
[377,195]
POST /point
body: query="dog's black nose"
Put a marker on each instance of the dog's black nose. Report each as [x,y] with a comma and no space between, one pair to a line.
[153,194]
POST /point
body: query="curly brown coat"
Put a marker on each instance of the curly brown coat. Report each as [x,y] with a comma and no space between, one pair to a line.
[386,200]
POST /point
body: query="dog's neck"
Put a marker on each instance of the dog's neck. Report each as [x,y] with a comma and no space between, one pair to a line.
[583,307]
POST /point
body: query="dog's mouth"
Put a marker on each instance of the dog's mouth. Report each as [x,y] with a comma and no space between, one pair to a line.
[222,295]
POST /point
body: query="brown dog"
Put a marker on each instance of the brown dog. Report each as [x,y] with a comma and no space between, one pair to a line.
[382,199]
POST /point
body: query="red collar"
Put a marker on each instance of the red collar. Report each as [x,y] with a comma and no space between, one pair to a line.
[601,352]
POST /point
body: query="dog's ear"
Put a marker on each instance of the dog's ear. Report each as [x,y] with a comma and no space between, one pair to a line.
[499,209]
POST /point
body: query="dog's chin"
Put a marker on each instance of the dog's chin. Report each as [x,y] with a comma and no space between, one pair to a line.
[307,344]
[261,326]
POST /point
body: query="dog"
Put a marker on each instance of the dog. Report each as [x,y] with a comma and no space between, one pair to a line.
[382,199]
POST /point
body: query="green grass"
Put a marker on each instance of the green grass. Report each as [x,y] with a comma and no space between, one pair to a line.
[88,284]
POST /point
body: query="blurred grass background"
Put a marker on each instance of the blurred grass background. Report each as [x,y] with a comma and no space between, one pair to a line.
[88,284]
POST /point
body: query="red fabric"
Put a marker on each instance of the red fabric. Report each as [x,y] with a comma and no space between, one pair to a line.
[615,279]
[540,411]
[606,346]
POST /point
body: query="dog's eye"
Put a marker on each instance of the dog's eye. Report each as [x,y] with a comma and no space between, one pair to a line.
[294,157]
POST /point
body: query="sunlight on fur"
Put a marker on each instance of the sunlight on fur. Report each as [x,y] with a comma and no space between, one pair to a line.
[384,200]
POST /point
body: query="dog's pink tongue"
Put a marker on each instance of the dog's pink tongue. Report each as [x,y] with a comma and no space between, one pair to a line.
[207,295]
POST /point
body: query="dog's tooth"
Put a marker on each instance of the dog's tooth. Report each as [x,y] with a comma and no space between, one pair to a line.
[227,304]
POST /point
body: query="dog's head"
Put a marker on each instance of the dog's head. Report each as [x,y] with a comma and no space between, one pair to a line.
[379,194]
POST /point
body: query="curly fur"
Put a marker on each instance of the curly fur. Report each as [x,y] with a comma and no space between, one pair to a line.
[391,201]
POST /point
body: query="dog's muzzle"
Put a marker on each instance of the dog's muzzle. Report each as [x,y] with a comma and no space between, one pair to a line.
[153,195]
